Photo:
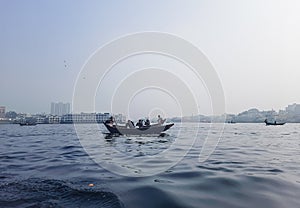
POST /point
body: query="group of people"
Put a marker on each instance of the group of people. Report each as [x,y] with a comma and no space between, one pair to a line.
[144,123]
[141,123]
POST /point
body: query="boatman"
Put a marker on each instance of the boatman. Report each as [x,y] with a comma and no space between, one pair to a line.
[160,121]
[111,121]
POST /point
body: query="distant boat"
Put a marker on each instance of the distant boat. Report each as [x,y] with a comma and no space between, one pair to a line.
[29,121]
[27,124]
[231,122]
[151,130]
[274,123]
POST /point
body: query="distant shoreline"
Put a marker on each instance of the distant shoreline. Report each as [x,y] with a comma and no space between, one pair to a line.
[11,123]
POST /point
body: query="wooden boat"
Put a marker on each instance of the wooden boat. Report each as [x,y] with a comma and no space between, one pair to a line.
[151,130]
[274,123]
[27,124]
[28,121]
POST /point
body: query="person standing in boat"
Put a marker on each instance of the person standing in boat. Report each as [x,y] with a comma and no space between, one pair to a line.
[160,121]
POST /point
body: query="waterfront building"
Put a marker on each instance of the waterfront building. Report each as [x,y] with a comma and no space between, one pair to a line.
[85,118]
[2,111]
[53,119]
[41,119]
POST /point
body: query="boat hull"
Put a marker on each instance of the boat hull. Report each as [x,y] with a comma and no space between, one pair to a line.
[143,131]
[275,124]
[27,124]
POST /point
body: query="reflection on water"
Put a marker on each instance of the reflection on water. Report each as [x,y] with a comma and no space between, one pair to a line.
[252,166]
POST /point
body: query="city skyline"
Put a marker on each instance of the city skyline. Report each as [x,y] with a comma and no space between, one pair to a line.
[292,107]
[291,114]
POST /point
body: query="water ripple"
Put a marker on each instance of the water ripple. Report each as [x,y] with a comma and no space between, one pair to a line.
[252,166]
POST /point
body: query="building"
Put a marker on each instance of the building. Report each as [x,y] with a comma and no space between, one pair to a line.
[41,118]
[85,118]
[59,109]
[255,116]
[2,111]
[294,108]
[53,119]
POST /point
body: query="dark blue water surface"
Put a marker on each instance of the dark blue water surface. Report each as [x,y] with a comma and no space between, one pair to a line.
[252,166]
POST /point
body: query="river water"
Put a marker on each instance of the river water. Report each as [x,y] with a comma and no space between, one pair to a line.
[253,165]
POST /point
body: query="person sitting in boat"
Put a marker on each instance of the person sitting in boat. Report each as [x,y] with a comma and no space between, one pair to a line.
[160,121]
[130,124]
[140,123]
[111,121]
[147,122]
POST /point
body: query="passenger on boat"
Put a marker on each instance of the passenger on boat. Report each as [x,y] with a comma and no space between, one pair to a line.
[147,122]
[140,123]
[111,121]
[160,121]
[130,124]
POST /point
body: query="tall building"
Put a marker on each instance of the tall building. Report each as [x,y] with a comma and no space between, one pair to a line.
[294,108]
[59,109]
[2,111]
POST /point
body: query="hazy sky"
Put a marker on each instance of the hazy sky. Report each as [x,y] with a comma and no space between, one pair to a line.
[254,45]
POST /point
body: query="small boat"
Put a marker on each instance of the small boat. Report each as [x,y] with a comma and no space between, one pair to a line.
[231,122]
[151,130]
[27,124]
[28,121]
[274,123]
